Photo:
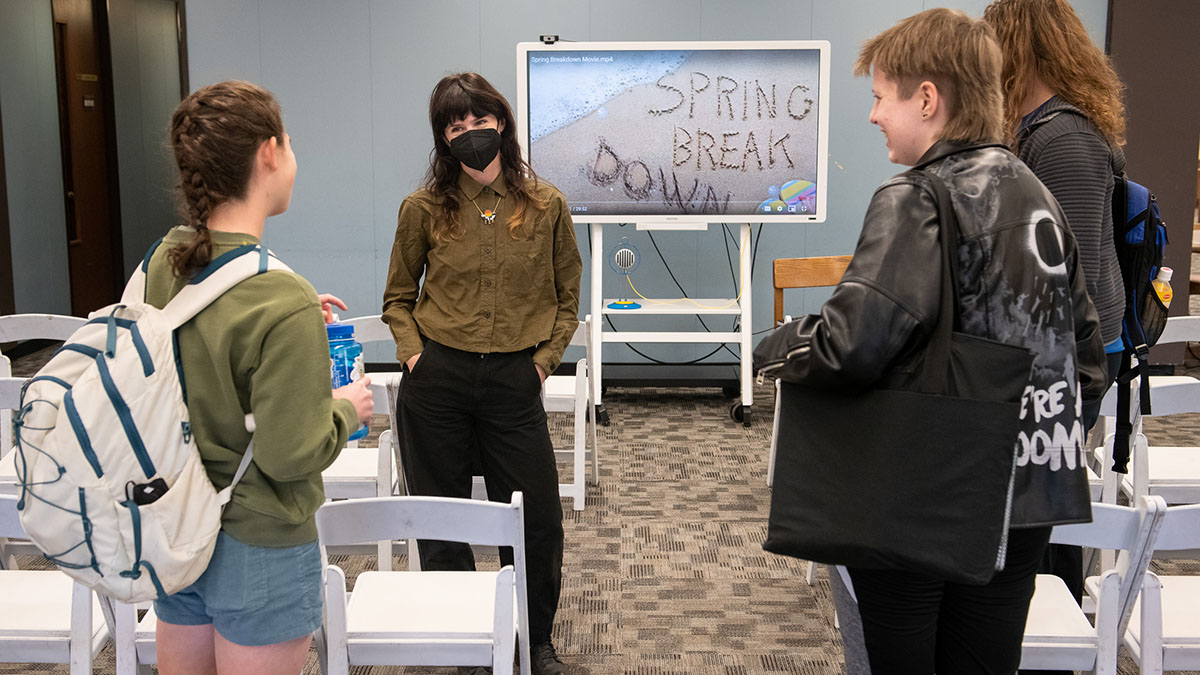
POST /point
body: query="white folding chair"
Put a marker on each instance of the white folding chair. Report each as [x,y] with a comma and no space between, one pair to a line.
[357,473]
[1164,633]
[1170,472]
[424,618]
[18,327]
[10,399]
[1058,635]
[572,394]
[45,617]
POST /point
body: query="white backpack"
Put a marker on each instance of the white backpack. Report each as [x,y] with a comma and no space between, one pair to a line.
[112,487]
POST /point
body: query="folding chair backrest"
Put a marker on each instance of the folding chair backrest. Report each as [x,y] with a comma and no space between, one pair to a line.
[15,327]
[10,399]
[580,337]
[356,521]
[1181,329]
[1132,531]
[10,523]
[1180,529]
[813,272]
[370,328]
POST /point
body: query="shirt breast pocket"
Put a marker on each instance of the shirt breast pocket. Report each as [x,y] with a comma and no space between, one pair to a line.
[527,259]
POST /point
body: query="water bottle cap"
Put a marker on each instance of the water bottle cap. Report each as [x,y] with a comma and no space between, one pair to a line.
[339,331]
[1165,273]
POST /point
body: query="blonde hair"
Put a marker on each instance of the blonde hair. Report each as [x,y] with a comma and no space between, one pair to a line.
[958,55]
[1047,39]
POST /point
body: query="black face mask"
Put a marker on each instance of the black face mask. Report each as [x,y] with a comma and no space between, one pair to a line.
[476,148]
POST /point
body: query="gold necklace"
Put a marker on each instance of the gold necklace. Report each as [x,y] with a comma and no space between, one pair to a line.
[488,216]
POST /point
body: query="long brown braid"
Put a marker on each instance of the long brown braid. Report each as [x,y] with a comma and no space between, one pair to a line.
[215,133]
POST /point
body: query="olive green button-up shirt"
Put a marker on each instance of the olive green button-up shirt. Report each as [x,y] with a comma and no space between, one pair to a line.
[489,290]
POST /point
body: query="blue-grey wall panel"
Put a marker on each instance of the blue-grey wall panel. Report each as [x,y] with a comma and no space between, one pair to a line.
[413,45]
[325,90]
[224,42]
[32,159]
[145,54]
[638,20]
[763,20]
[505,24]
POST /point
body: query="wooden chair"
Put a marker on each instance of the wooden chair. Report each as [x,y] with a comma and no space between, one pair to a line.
[425,618]
[1163,632]
[45,617]
[1058,635]
[805,273]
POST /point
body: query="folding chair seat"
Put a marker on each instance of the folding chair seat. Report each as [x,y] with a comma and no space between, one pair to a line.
[424,618]
[45,617]
[1164,633]
[1058,635]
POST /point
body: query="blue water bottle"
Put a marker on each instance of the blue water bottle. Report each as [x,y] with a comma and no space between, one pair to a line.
[346,355]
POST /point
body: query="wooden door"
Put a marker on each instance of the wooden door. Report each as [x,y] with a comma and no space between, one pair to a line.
[88,154]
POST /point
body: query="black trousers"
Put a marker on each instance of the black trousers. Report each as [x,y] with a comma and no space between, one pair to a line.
[914,624]
[463,413]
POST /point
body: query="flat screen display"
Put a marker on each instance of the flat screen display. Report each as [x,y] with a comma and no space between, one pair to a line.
[677,132]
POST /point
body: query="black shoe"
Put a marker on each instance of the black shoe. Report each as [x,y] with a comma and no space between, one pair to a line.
[545,660]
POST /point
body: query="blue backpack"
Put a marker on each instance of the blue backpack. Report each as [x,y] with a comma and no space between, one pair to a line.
[1141,239]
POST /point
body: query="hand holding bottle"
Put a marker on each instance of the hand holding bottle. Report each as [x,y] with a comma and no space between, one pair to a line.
[358,393]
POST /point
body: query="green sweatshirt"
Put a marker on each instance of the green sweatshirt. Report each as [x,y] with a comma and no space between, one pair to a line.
[261,347]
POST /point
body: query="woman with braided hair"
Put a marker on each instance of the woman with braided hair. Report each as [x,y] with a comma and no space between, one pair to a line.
[260,347]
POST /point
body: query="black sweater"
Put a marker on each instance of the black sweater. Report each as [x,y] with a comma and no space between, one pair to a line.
[1075,162]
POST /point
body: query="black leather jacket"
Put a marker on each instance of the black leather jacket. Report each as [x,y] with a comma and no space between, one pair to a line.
[1020,283]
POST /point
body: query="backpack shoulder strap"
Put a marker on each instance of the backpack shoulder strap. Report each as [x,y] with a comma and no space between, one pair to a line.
[135,289]
[222,274]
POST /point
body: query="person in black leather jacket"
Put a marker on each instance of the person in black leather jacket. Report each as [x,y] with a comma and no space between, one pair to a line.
[938,102]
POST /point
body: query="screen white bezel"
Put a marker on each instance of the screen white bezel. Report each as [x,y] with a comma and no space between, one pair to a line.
[822,46]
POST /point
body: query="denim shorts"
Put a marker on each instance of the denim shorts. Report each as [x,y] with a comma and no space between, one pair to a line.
[252,595]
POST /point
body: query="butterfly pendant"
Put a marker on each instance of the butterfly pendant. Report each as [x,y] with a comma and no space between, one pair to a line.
[489,216]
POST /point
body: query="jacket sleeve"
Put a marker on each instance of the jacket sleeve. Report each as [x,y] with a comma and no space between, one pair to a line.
[567,269]
[409,253]
[884,305]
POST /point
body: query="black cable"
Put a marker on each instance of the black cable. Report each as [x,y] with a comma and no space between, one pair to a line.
[680,287]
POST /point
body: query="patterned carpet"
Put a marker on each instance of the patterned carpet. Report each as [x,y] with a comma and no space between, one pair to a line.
[664,573]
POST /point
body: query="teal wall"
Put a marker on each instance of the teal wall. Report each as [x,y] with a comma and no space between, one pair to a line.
[32,159]
[354,78]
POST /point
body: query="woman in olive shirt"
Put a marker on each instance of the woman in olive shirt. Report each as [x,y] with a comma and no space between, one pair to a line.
[498,305]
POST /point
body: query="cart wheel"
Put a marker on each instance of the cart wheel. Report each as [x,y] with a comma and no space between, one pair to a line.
[740,413]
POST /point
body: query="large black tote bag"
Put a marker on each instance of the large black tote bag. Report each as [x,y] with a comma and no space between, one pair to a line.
[915,474]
